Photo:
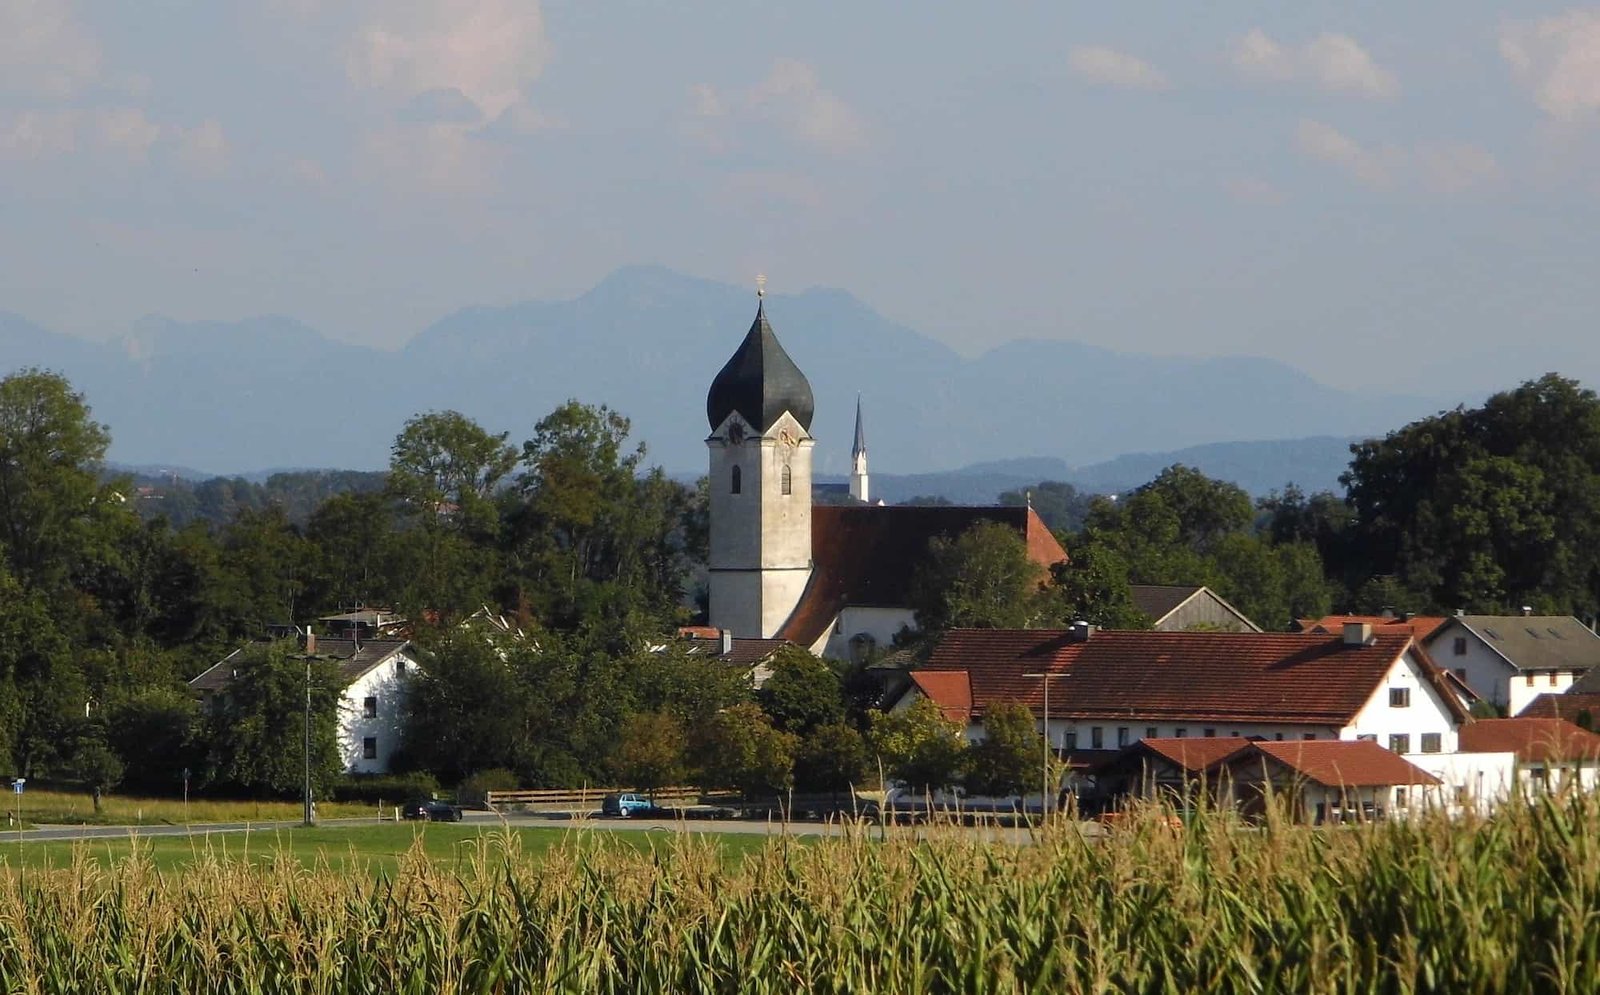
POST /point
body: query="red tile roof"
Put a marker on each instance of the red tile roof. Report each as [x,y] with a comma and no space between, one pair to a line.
[1532,740]
[950,690]
[866,556]
[1420,626]
[1342,763]
[1562,706]
[1194,755]
[1297,678]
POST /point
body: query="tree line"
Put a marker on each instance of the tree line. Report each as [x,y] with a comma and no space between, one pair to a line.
[595,555]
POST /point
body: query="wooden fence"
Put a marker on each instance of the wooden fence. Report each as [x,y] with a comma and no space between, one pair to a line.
[586,797]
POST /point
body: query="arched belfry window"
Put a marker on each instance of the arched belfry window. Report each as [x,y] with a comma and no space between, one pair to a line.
[788,480]
[737,482]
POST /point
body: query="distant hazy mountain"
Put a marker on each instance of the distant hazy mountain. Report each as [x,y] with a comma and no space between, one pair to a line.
[236,396]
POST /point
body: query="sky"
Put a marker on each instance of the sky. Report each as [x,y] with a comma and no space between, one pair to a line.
[1391,196]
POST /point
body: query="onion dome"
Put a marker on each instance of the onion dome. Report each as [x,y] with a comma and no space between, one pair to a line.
[760,382]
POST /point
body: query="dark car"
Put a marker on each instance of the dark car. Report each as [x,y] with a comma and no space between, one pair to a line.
[432,811]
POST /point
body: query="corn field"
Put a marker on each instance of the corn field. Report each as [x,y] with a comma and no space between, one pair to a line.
[1505,905]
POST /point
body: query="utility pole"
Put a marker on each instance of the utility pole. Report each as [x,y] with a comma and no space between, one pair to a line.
[1045,794]
[308,813]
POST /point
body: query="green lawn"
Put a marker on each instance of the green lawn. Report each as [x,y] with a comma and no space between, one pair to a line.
[369,848]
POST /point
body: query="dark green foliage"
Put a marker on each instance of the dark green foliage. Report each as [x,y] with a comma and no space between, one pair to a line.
[1060,505]
[255,735]
[153,730]
[1008,760]
[742,750]
[981,579]
[918,746]
[832,758]
[803,692]
[389,789]
[653,751]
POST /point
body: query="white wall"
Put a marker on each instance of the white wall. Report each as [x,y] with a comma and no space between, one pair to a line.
[390,687]
[1427,712]
[1473,782]
[882,624]
[760,555]
[1489,673]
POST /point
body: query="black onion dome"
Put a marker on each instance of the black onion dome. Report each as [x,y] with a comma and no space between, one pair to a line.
[760,382]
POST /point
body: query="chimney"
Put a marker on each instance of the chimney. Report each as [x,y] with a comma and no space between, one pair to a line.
[1407,615]
[1461,613]
[1527,610]
[1357,633]
[1079,632]
[727,641]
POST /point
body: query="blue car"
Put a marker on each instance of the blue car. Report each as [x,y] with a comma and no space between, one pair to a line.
[624,805]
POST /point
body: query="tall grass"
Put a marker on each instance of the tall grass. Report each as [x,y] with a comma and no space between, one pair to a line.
[68,808]
[1509,904]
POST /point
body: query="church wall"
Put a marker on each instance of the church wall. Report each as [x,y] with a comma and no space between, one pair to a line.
[882,624]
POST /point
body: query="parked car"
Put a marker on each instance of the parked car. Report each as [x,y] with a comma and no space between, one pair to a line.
[625,805]
[431,811]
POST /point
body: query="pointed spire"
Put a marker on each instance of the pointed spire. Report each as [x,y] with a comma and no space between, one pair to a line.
[860,446]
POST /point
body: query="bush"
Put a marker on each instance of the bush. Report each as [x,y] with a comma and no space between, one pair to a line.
[394,788]
[472,792]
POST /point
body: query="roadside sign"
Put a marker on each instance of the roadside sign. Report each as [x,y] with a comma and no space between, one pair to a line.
[17,784]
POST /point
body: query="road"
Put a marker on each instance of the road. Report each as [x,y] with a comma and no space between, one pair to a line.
[579,822]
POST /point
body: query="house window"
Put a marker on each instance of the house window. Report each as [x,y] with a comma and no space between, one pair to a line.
[1399,797]
[1278,736]
[1399,697]
[369,707]
[1210,734]
[1528,679]
[400,668]
[1180,733]
[369,748]
[1308,735]
[1122,736]
[1097,738]
[1432,742]
[1400,742]
[1069,740]
[1460,646]
[1151,732]
[736,481]
[788,480]
[1553,674]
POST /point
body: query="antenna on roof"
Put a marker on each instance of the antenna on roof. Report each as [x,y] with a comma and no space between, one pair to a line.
[1027,498]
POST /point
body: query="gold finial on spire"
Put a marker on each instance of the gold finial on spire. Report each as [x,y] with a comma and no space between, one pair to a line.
[761,285]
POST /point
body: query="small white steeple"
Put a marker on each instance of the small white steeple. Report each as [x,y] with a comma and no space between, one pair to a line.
[858,460]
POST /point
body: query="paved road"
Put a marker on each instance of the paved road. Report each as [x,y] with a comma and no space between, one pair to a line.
[579,823]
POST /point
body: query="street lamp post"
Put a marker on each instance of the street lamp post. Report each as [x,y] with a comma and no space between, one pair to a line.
[309,811]
[1044,677]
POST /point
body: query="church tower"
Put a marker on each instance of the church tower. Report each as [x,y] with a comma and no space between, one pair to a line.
[858,461]
[760,409]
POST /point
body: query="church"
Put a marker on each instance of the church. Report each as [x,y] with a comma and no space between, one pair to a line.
[833,579]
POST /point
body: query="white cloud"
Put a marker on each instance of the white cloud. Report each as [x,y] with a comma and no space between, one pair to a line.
[204,148]
[43,48]
[1336,63]
[488,50]
[1443,168]
[1113,68]
[792,97]
[1558,60]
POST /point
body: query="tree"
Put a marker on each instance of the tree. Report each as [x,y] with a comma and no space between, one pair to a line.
[652,752]
[448,467]
[153,731]
[982,579]
[918,746]
[743,750]
[255,739]
[832,758]
[1093,587]
[1061,506]
[1006,762]
[50,453]
[468,708]
[95,765]
[803,692]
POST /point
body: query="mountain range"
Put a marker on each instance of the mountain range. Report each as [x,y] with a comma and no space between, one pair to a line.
[271,391]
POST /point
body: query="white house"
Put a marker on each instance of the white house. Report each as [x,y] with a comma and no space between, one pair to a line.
[1109,689]
[374,676]
[1512,659]
[1550,754]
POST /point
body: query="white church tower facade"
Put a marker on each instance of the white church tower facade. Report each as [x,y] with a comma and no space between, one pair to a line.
[760,407]
[858,461]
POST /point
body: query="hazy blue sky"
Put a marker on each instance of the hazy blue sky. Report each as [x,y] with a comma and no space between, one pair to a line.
[1391,194]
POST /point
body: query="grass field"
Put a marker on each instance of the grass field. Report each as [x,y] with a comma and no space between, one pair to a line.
[73,809]
[364,849]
